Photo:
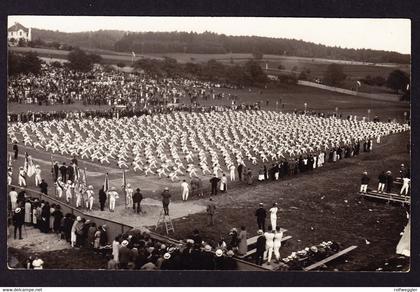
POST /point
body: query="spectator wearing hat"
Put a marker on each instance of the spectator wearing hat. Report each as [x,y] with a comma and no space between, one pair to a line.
[234,240]
[102,198]
[18,220]
[207,258]
[166,263]
[166,199]
[137,198]
[219,263]
[211,210]
[260,247]
[103,238]
[230,263]
[364,183]
[261,214]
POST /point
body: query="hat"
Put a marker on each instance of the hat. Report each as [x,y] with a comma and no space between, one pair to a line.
[219,253]
[230,253]
[124,243]
[17,210]
[78,218]
[104,226]
[112,189]
[260,232]
[163,246]
[90,187]
[207,248]
[151,249]
[128,185]
[167,256]
[166,189]
[69,181]
[314,248]
[190,241]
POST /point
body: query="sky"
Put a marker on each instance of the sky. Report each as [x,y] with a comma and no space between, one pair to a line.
[379,34]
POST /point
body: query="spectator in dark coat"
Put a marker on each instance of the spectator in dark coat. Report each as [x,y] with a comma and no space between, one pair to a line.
[58,216]
[43,187]
[18,220]
[230,263]
[213,182]
[240,171]
[124,255]
[45,218]
[261,214]
[207,259]
[260,248]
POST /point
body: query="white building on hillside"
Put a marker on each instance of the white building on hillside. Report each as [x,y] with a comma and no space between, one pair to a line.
[17,32]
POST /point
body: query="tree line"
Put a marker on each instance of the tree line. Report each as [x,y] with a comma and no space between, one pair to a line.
[212,43]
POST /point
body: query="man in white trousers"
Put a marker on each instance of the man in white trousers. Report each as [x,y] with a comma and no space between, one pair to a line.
[273,216]
[37,175]
[22,179]
[90,198]
[113,196]
[185,190]
[405,186]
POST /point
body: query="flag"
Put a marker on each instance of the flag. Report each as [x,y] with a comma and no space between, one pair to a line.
[84,177]
[30,167]
[408,86]
[106,183]
[133,54]
[124,181]
[358,83]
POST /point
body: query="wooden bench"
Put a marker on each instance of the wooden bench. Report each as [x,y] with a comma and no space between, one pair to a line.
[253,240]
[252,251]
[389,197]
[330,258]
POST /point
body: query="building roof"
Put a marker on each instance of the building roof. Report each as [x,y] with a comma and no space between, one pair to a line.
[17,26]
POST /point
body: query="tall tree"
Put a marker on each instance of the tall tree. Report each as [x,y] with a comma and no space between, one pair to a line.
[334,75]
[397,80]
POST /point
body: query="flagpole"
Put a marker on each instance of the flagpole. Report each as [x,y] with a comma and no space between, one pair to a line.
[124,188]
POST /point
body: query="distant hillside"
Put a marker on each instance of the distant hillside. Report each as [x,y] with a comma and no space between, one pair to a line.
[212,43]
[101,39]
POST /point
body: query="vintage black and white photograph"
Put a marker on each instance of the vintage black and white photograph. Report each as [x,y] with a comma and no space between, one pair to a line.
[208,143]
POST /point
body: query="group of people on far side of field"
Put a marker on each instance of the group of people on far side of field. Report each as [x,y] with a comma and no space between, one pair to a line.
[386,181]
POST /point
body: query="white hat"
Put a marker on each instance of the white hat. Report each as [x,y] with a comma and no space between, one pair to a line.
[166,189]
[78,218]
[207,248]
[17,210]
[128,185]
[69,181]
[230,253]
[90,187]
[219,253]
[167,256]
[124,243]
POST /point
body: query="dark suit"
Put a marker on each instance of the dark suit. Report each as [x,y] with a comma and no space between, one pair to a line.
[240,171]
[261,214]
[260,250]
